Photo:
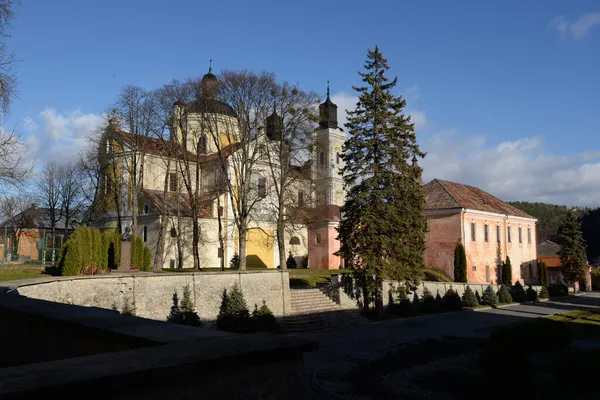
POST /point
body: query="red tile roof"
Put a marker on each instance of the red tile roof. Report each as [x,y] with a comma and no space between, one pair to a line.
[167,148]
[443,195]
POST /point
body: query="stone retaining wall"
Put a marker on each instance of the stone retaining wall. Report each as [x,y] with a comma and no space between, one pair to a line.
[153,293]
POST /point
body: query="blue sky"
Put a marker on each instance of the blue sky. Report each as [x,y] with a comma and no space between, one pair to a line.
[504,93]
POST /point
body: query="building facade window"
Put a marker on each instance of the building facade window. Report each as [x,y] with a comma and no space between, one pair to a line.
[145,234]
[472,231]
[322,159]
[508,234]
[146,209]
[300,198]
[202,144]
[262,187]
[498,233]
[317,238]
[173,181]
[528,235]
[171,263]
[294,240]
[530,271]
[486,233]
[520,235]
[337,158]
[474,268]
[487,273]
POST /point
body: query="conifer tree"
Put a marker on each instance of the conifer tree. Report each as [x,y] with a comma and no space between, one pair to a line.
[469,299]
[507,272]
[572,249]
[460,263]
[383,226]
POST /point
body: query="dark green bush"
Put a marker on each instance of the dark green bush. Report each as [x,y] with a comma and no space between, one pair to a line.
[518,292]
[416,303]
[544,293]
[489,297]
[543,273]
[439,302]
[233,314]
[507,272]
[558,288]
[478,297]
[532,294]
[184,313]
[428,305]
[469,299]
[147,259]
[451,301]
[400,305]
[263,319]
[460,263]
[234,263]
[504,295]
[291,262]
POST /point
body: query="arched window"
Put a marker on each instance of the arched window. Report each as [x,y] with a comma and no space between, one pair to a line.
[322,159]
[202,144]
[146,209]
[294,240]
[337,158]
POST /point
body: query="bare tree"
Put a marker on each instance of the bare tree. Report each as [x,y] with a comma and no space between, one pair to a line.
[15,169]
[17,214]
[70,177]
[8,79]
[49,195]
[290,142]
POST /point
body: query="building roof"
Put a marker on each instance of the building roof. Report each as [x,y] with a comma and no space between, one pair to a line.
[330,213]
[548,248]
[174,203]
[445,195]
[39,218]
[167,148]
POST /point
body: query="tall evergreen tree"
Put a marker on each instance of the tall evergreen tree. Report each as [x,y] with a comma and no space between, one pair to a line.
[460,263]
[507,272]
[383,226]
[572,249]
[543,273]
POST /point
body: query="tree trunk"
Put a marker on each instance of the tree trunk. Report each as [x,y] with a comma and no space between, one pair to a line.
[221,241]
[281,244]
[179,245]
[195,239]
[242,240]
[365,292]
[159,255]
[379,296]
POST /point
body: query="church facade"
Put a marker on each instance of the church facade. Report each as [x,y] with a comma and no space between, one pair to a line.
[159,173]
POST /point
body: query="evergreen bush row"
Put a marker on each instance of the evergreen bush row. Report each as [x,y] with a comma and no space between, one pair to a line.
[235,317]
[89,251]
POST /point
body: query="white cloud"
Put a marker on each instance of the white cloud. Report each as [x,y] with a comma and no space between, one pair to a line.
[62,135]
[514,170]
[577,29]
[418,118]
[411,93]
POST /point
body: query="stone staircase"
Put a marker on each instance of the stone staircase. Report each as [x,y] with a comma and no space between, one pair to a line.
[313,311]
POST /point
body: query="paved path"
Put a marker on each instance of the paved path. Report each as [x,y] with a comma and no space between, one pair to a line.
[339,345]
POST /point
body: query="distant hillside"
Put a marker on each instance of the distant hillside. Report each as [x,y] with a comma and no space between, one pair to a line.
[548,215]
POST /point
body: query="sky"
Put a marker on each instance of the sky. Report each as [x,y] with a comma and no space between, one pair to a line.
[504,94]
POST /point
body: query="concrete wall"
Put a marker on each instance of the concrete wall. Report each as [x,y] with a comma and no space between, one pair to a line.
[153,293]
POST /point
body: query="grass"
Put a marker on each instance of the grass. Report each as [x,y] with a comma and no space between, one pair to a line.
[584,324]
[312,277]
[16,274]
[433,275]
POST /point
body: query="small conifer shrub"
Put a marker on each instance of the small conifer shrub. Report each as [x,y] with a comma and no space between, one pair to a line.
[184,313]
[451,301]
[544,293]
[504,296]
[128,306]
[234,263]
[291,262]
[532,294]
[439,302]
[518,292]
[489,297]
[428,304]
[233,314]
[263,319]
[469,299]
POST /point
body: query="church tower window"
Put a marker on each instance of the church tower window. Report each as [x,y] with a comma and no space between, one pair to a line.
[322,159]
[202,144]
[262,187]
[337,158]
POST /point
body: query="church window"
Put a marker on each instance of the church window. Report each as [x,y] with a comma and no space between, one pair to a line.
[487,273]
[262,187]
[300,198]
[321,197]
[498,233]
[173,181]
[528,235]
[337,158]
[322,159]
[202,144]
[472,231]
[294,240]
[317,238]
[146,208]
[474,267]
[145,234]
[508,234]
[530,271]
[486,233]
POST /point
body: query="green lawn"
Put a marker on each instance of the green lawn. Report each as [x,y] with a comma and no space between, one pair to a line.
[583,324]
[312,277]
[15,274]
